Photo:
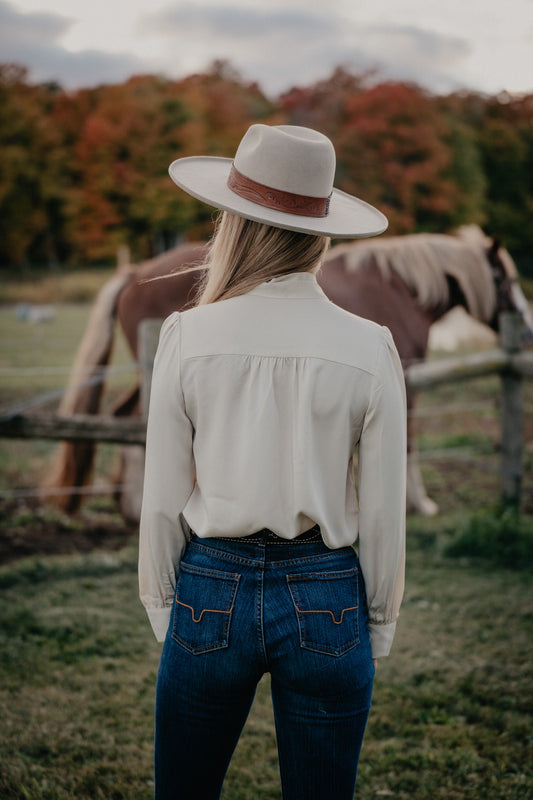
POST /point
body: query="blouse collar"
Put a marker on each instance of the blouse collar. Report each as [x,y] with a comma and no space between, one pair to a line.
[293,285]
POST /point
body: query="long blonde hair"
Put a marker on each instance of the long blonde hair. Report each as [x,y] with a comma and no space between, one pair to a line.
[244,254]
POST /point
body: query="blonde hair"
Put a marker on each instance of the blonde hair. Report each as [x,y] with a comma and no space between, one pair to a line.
[244,254]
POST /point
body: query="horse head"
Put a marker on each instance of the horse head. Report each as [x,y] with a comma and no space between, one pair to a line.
[509,295]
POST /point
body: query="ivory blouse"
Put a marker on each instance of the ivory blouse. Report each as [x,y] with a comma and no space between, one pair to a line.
[260,406]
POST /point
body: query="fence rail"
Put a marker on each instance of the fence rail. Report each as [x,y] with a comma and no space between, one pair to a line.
[476,365]
[508,361]
[79,427]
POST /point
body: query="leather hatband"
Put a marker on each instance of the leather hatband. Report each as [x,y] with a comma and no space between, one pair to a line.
[277,199]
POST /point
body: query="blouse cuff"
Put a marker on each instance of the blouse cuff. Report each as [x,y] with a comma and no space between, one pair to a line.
[159,620]
[381,637]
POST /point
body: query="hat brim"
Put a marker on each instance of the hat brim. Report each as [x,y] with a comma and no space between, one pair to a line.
[205,177]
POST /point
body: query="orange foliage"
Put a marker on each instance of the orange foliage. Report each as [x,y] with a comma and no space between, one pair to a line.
[85,172]
[401,140]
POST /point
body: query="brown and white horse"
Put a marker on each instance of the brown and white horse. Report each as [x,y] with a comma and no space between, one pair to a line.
[406,283]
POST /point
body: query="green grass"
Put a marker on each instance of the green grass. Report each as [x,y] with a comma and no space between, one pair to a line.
[452,713]
[498,536]
[43,287]
[77,675]
[37,358]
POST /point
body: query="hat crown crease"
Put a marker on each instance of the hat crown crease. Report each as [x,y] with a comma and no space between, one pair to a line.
[288,159]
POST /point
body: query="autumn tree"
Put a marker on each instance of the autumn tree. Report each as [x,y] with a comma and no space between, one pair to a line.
[324,105]
[396,147]
[127,136]
[506,144]
[30,172]
[502,129]
[393,151]
[84,172]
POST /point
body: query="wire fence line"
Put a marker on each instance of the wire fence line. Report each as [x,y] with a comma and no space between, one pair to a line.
[98,375]
[105,372]
[21,372]
[465,454]
[43,492]
[41,400]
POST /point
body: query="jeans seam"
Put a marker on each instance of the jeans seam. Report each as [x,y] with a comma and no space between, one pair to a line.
[260,615]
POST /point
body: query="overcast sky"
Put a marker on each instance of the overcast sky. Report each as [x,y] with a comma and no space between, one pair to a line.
[441,45]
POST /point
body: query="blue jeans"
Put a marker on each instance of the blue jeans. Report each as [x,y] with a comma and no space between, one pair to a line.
[297,611]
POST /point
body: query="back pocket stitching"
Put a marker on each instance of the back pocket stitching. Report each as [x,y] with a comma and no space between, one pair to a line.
[326,611]
[305,642]
[221,643]
[205,610]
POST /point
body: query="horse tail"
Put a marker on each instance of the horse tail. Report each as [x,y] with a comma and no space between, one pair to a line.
[73,462]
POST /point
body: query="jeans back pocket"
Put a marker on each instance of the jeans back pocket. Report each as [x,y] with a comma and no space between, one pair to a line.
[203,607]
[327,609]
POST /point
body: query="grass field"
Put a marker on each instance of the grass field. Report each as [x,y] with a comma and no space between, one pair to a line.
[452,714]
[452,711]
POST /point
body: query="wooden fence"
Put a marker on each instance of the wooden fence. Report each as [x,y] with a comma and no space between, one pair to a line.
[508,361]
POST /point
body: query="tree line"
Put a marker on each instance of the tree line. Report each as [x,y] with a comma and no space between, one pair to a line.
[84,172]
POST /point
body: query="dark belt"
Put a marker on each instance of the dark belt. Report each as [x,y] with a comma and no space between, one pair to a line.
[268,536]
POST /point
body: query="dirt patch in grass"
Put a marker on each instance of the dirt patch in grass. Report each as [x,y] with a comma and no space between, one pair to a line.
[30,529]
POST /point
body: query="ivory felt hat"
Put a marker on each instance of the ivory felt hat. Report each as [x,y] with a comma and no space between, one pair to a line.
[283,176]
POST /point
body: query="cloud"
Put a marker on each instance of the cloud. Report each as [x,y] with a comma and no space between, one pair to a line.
[406,43]
[225,22]
[33,39]
[34,27]
[409,53]
[85,68]
[278,47]
[281,47]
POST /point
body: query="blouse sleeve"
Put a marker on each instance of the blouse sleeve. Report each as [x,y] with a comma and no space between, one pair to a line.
[382,488]
[168,481]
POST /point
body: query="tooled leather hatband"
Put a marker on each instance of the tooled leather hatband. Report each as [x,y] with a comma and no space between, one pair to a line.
[277,199]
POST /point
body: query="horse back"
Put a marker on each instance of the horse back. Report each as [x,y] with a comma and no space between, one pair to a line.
[160,286]
[386,301]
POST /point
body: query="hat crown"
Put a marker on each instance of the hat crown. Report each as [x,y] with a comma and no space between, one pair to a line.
[288,158]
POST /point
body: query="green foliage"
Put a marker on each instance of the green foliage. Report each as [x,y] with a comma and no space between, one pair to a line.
[503,136]
[500,536]
[467,174]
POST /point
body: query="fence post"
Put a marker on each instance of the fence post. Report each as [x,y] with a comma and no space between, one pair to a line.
[510,325]
[148,340]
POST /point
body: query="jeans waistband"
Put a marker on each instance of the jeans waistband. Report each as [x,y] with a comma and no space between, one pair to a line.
[266,536]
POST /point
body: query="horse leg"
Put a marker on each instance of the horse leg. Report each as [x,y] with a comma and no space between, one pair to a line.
[417,500]
[72,465]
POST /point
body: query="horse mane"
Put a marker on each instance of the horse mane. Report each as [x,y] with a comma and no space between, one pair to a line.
[424,261]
